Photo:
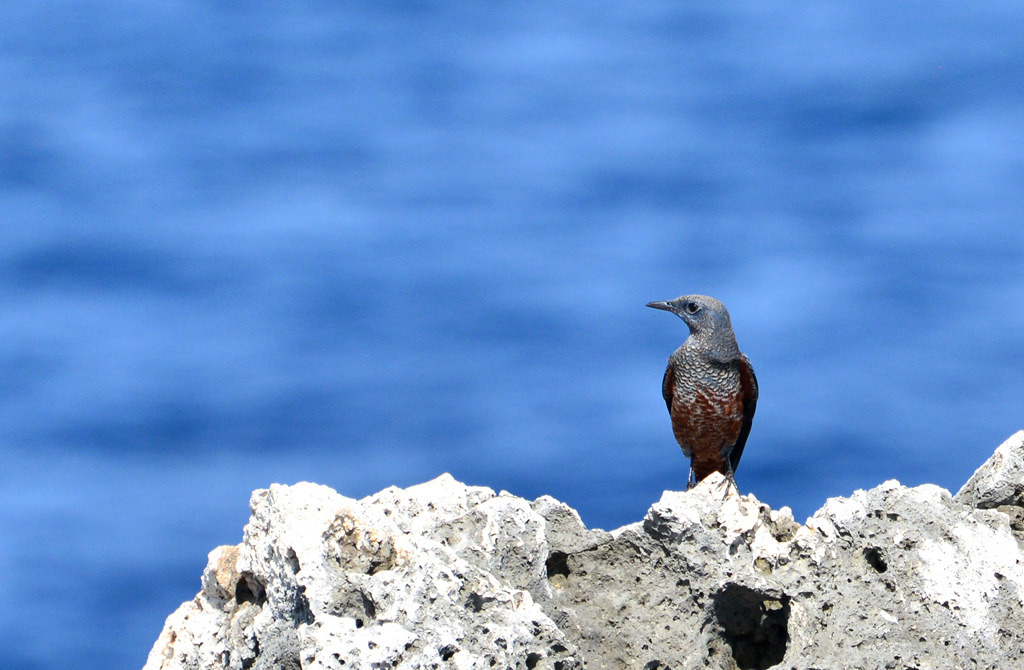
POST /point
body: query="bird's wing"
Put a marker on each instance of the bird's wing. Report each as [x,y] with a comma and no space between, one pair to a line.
[748,386]
[667,386]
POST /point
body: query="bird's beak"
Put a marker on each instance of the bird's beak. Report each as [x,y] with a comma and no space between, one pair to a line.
[661,304]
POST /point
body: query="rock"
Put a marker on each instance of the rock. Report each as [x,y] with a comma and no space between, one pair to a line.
[437,575]
[1000,480]
[444,575]
[892,577]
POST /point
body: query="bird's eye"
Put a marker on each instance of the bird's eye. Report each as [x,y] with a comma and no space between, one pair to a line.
[692,308]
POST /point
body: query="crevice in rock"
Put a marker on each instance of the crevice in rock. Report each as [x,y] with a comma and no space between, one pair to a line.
[292,560]
[303,613]
[249,589]
[875,557]
[249,661]
[753,624]
[368,606]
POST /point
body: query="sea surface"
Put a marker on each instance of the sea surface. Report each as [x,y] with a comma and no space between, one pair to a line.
[367,243]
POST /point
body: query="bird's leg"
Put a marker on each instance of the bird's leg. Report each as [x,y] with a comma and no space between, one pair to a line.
[691,479]
[730,478]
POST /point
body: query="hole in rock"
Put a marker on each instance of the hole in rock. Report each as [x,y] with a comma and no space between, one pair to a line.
[753,625]
[876,559]
[532,660]
[250,590]
[447,651]
[557,564]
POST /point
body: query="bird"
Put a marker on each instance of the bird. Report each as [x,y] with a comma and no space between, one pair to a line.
[709,387]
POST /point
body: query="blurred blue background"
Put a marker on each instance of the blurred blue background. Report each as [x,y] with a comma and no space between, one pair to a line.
[365,243]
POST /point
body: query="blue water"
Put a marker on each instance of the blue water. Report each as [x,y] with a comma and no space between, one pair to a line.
[365,243]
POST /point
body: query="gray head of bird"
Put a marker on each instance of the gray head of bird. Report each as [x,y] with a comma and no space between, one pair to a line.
[708,321]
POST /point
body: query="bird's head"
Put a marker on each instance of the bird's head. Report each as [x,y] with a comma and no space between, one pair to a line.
[706,317]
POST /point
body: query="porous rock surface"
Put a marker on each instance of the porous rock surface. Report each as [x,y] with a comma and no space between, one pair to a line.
[444,575]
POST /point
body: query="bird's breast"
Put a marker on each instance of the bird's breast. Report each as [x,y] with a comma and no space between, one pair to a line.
[706,408]
[694,376]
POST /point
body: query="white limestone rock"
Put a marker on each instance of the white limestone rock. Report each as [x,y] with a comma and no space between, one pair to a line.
[324,581]
[1000,480]
[444,575]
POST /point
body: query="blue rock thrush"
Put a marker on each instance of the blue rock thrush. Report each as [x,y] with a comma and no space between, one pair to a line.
[709,387]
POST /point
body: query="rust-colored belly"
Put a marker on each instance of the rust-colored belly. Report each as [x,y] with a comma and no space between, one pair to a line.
[707,425]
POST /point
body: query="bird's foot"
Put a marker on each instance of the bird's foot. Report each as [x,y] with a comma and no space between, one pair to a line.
[729,482]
